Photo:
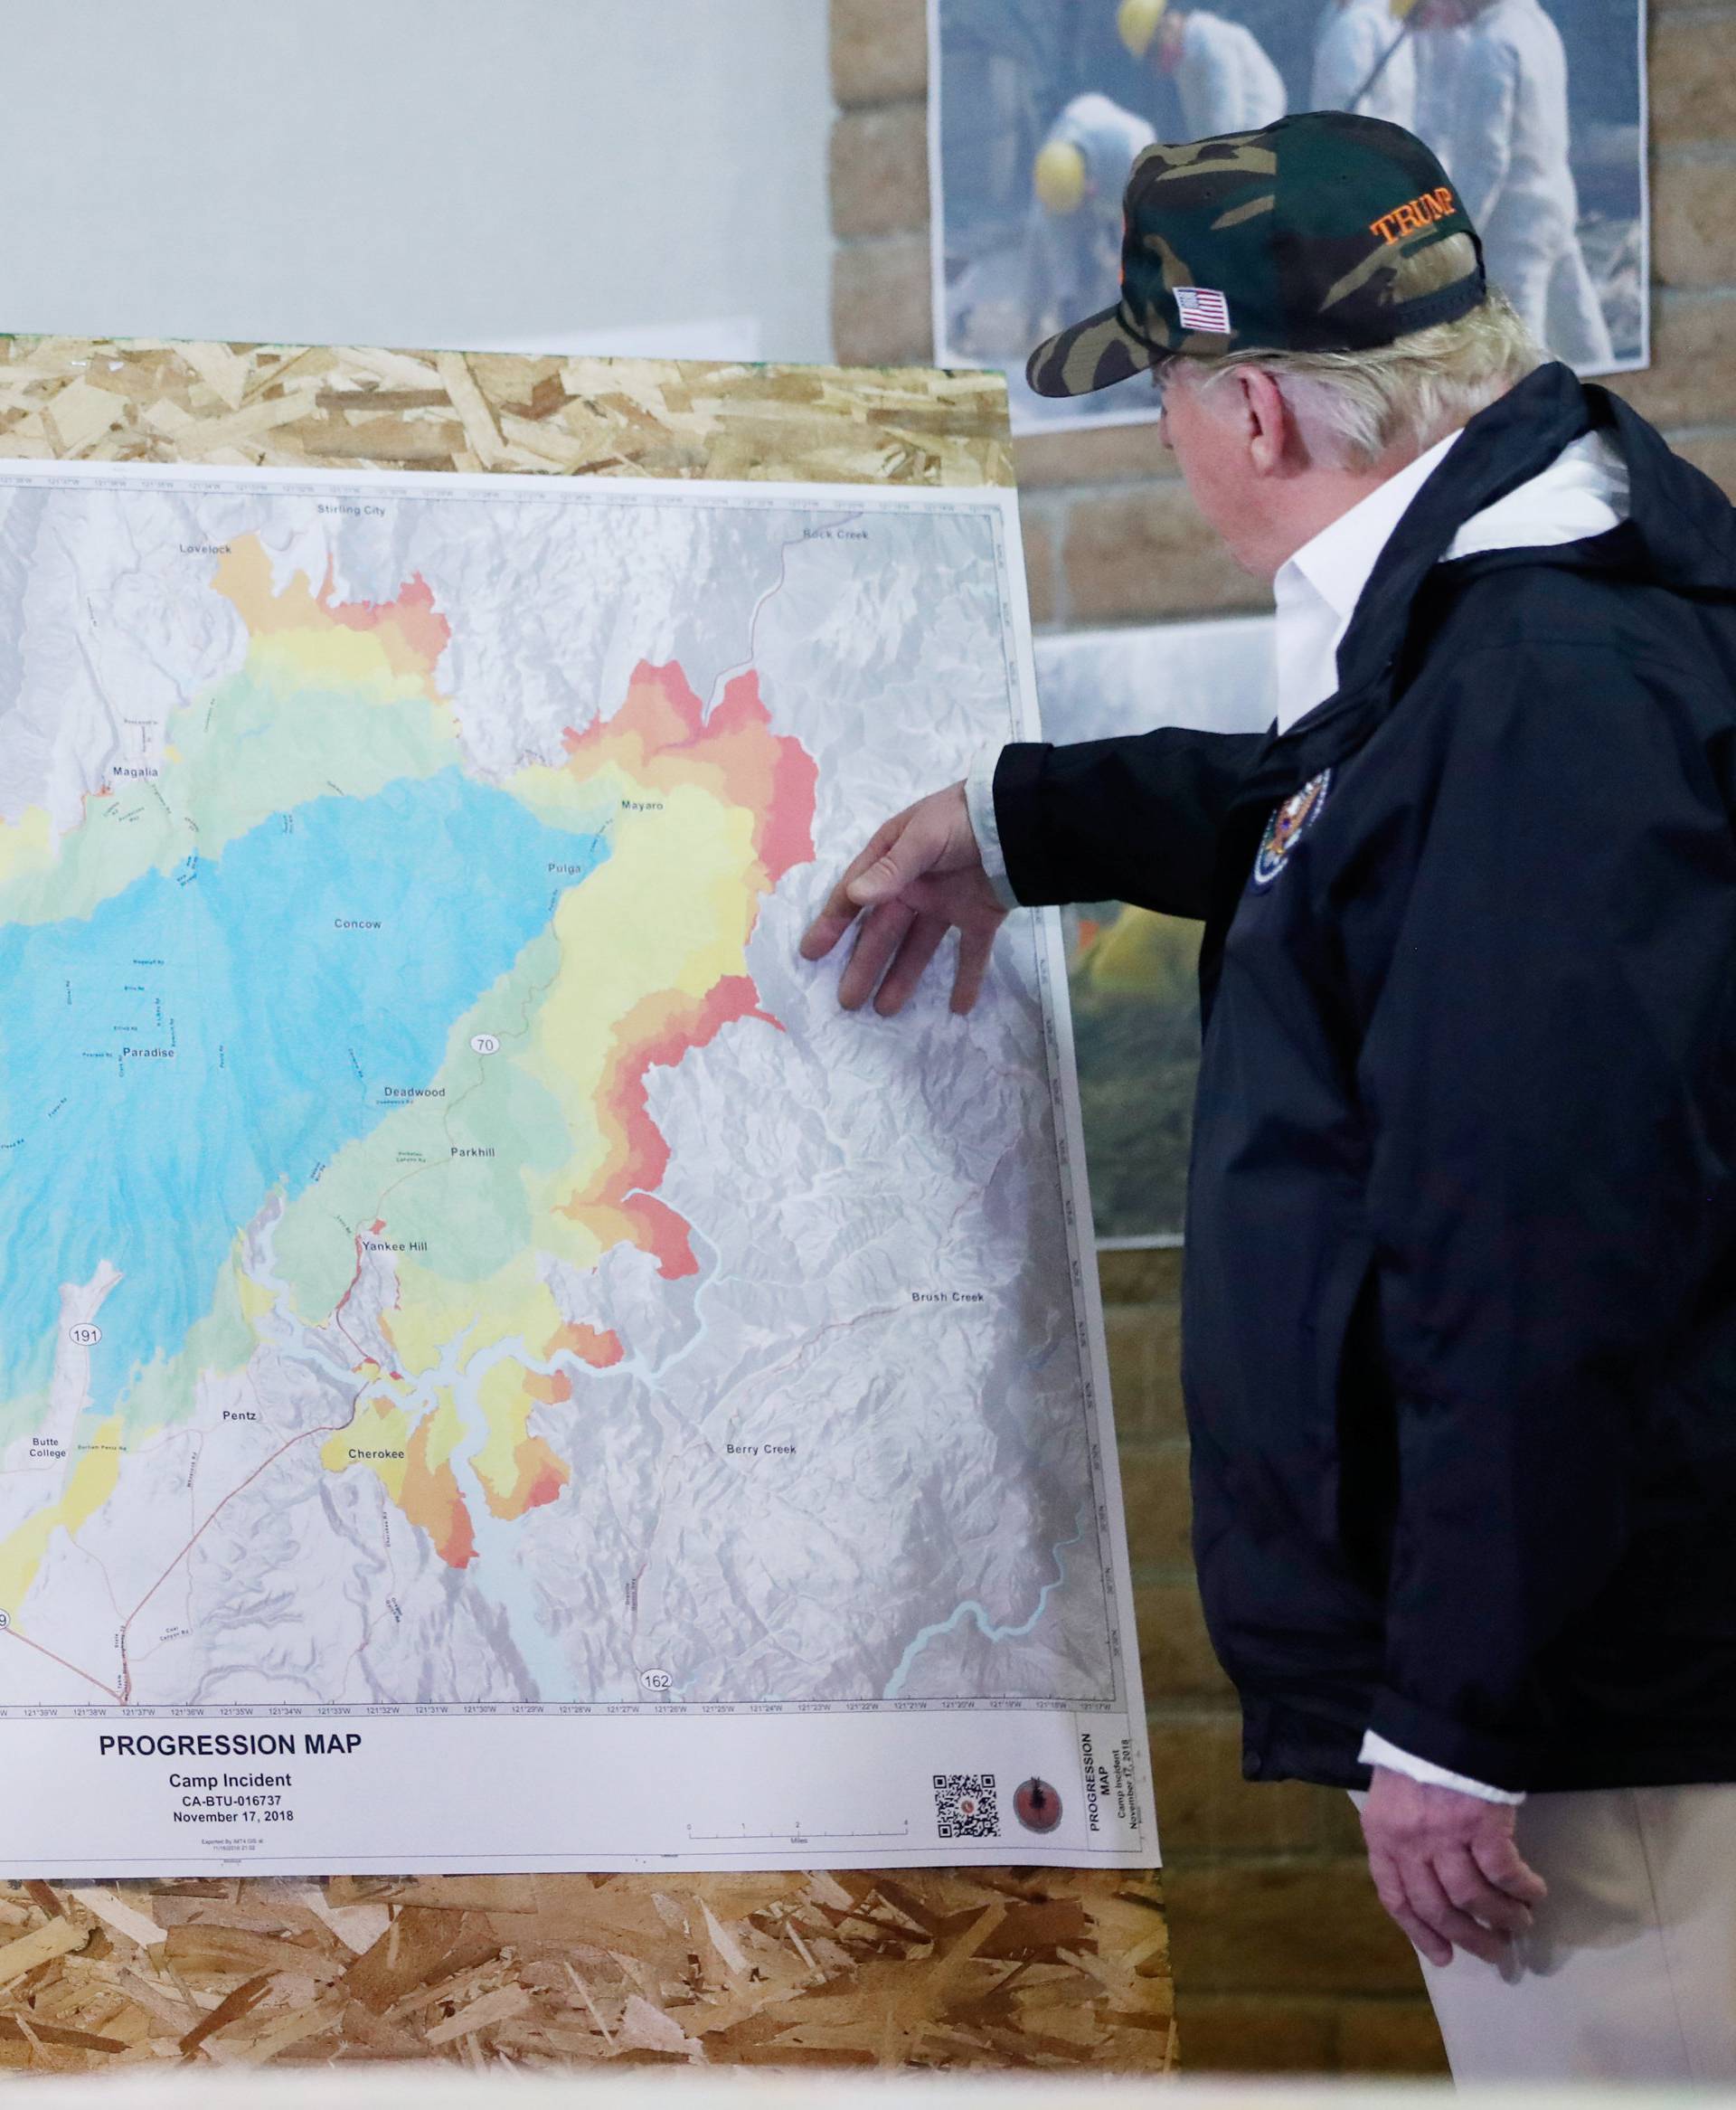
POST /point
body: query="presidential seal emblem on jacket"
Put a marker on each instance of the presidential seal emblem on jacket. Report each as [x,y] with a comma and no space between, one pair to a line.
[1289,825]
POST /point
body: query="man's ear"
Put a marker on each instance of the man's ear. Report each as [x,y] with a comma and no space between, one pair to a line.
[1269,429]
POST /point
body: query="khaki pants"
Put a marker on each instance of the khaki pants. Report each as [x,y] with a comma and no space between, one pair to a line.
[1629,1974]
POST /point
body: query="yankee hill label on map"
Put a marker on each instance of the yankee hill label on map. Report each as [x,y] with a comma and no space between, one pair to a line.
[456,1308]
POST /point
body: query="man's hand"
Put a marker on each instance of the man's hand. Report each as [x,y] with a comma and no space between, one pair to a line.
[1447,1868]
[919,877]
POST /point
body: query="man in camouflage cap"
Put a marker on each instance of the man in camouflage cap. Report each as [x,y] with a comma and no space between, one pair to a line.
[1460,1273]
[1313,270]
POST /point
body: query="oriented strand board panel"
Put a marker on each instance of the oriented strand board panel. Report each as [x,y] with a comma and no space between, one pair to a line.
[929,1969]
[355,407]
[1014,1969]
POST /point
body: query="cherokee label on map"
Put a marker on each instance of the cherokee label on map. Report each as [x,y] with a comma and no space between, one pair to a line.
[477,1324]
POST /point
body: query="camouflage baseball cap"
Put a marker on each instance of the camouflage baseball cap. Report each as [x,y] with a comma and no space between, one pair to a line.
[1283,240]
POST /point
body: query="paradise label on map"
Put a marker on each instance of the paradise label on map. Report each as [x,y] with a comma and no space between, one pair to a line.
[498,1370]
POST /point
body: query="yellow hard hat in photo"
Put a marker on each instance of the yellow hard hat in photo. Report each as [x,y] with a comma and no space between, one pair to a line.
[1060,177]
[1402,10]
[1137,22]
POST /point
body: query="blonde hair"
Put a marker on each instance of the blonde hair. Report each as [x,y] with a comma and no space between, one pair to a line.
[1354,408]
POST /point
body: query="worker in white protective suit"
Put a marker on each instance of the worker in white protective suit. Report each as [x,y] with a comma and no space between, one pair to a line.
[1365,60]
[1080,176]
[1506,143]
[1437,48]
[1225,80]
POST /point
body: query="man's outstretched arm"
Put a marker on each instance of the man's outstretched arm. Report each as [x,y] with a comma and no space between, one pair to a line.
[1134,820]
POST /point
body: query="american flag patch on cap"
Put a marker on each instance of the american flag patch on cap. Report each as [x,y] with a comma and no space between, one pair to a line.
[1199,308]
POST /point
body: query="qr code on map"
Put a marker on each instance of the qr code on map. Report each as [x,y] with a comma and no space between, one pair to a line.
[964,1805]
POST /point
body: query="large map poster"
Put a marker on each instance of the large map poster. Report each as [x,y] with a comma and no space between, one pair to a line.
[496,1370]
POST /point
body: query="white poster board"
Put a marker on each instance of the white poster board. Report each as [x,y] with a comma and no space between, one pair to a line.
[496,1370]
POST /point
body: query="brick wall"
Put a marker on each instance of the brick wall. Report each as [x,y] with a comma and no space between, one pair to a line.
[1282,1959]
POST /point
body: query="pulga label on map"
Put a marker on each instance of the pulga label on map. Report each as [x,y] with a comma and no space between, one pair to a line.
[473,1309]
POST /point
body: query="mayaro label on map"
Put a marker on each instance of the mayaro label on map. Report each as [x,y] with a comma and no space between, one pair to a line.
[496,1368]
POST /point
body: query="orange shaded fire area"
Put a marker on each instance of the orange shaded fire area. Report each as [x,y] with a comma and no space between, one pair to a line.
[424,629]
[553,1391]
[539,1477]
[662,737]
[591,1344]
[431,1500]
[618,1206]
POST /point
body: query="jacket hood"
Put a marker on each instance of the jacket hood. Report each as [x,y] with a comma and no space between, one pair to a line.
[1681,534]
[1684,526]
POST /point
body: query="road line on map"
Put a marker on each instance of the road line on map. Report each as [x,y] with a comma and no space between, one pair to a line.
[61,1661]
[333,1429]
[772,593]
[327,1429]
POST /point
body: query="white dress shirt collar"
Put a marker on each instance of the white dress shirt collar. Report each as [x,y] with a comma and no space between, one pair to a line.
[1341,559]
[1318,589]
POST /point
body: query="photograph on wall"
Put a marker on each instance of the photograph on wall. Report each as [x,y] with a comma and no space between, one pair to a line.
[1039,109]
[1134,998]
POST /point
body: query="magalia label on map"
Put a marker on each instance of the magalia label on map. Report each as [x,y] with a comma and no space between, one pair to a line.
[496,1370]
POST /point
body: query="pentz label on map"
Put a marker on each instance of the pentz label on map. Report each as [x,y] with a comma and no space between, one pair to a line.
[472,1307]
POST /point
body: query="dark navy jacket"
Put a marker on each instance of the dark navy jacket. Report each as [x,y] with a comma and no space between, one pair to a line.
[1461,1305]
